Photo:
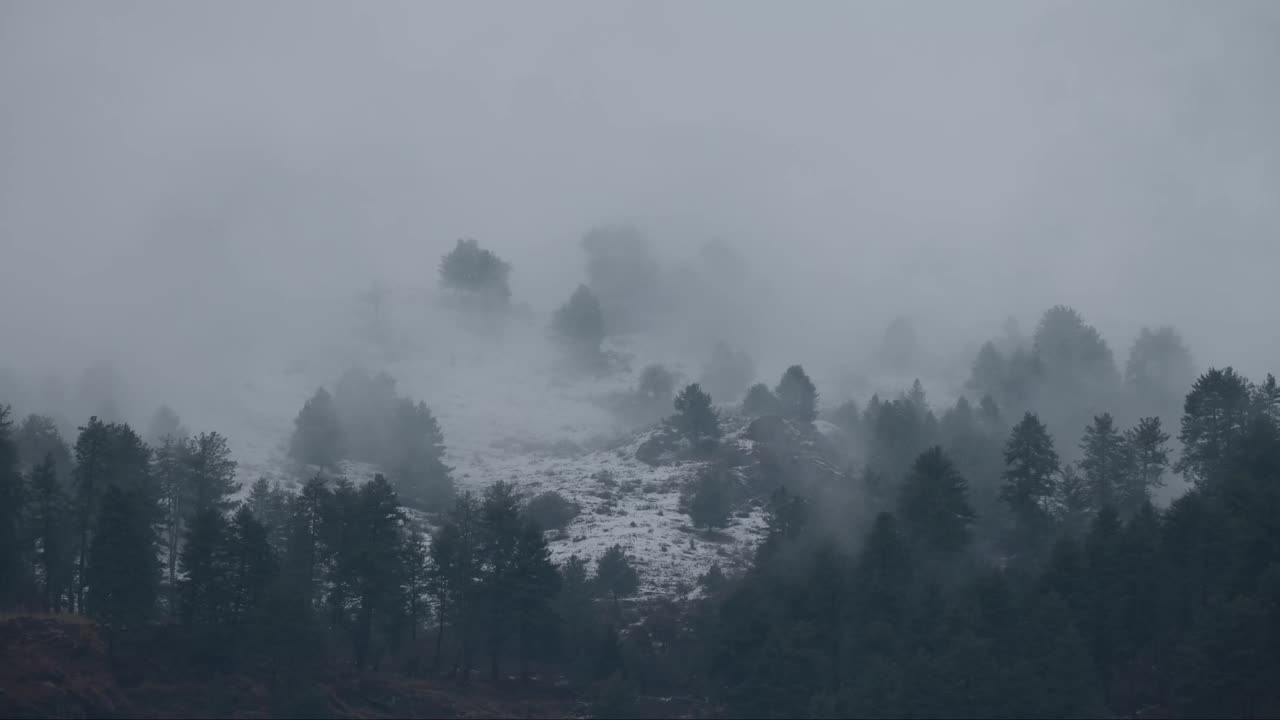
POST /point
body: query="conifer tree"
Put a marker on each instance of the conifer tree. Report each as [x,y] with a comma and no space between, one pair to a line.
[317,434]
[50,526]
[211,473]
[696,419]
[206,565]
[11,505]
[797,396]
[615,576]
[1215,416]
[170,468]
[123,574]
[934,505]
[1147,443]
[708,501]
[252,568]
[534,584]
[36,437]
[1107,463]
[375,559]
[416,457]
[760,401]
[580,322]
[1030,466]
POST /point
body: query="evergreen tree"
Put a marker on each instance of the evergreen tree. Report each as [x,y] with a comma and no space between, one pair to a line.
[476,272]
[580,322]
[123,574]
[696,419]
[1147,443]
[109,455]
[317,434]
[11,504]
[1074,499]
[797,396]
[1030,466]
[934,504]
[206,565]
[615,575]
[760,401]
[1159,370]
[170,468]
[416,457]
[36,438]
[1107,464]
[375,559]
[500,526]
[709,501]
[454,571]
[211,473]
[252,569]
[1215,416]
[535,583]
[50,527]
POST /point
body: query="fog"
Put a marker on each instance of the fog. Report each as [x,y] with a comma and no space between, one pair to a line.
[184,186]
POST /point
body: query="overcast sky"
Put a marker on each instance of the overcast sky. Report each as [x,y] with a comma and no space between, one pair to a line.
[170,164]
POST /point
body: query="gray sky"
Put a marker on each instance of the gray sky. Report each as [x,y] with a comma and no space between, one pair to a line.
[172,172]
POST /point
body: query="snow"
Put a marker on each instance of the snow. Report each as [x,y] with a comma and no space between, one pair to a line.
[508,413]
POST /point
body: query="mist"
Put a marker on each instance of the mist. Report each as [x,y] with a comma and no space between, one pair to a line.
[183,186]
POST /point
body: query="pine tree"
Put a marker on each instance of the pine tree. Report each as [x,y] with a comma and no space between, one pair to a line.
[580,321]
[416,457]
[500,525]
[934,505]
[615,575]
[1215,416]
[252,567]
[206,564]
[696,419]
[477,272]
[1107,463]
[1147,443]
[50,526]
[797,396]
[535,582]
[123,574]
[709,501]
[1075,501]
[36,438]
[170,468]
[375,559]
[211,473]
[760,401]
[11,506]
[317,434]
[1030,466]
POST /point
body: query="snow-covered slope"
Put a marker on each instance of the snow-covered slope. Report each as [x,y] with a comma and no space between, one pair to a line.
[509,412]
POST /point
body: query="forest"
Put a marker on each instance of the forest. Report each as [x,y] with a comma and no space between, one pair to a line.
[970,563]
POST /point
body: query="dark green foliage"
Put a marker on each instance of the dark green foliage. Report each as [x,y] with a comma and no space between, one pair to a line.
[317,434]
[205,589]
[415,457]
[1150,456]
[477,273]
[11,503]
[50,526]
[760,401]
[934,505]
[36,438]
[123,574]
[1108,466]
[579,323]
[696,419]
[709,499]
[1031,464]
[551,511]
[211,473]
[1216,414]
[615,576]
[797,396]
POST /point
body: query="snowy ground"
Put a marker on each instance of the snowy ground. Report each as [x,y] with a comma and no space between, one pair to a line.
[508,413]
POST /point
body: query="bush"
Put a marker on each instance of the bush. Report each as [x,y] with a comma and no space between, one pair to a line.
[551,510]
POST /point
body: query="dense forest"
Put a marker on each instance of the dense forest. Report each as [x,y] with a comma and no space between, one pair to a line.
[1013,556]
